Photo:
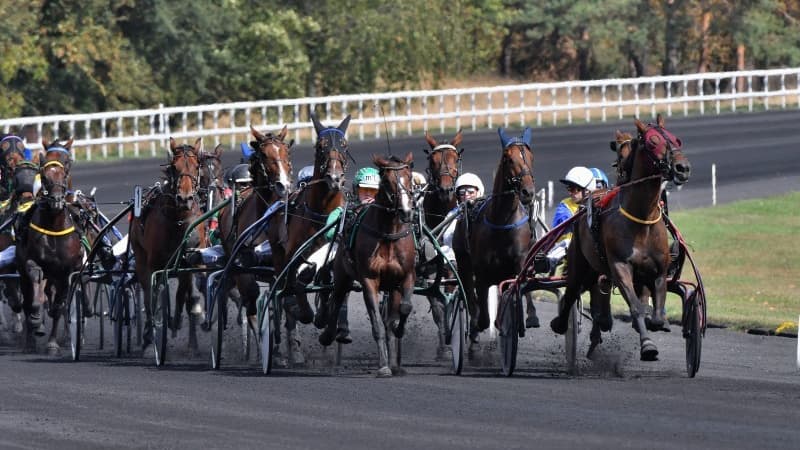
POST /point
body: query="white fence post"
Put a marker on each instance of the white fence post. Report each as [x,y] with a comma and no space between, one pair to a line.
[714,184]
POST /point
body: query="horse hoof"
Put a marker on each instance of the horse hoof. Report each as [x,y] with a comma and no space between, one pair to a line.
[197,309]
[319,320]
[53,349]
[326,338]
[405,308]
[558,326]
[605,323]
[656,324]
[343,336]
[649,351]
[398,371]
[532,321]
[384,372]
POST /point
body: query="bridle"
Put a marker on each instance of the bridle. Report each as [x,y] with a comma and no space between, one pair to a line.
[392,196]
[332,147]
[652,140]
[515,181]
[444,168]
[209,161]
[173,177]
[259,161]
[48,185]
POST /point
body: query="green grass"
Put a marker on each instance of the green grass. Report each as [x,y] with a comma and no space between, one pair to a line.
[748,254]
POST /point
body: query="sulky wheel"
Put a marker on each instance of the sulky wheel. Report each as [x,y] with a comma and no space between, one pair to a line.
[456,323]
[160,310]
[75,317]
[266,339]
[693,335]
[120,311]
[101,300]
[218,320]
[508,318]
[571,339]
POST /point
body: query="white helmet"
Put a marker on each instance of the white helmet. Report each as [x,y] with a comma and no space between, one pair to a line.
[581,177]
[418,179]
[305,174]
[470,179]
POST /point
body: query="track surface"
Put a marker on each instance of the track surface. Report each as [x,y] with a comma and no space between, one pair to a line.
[743,397]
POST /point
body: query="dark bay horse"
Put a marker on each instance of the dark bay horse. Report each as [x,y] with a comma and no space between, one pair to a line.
[155,235]
[491,240]
[270,168]
[629,244]
[380,255]
[49,248]
[444,166]
[309,212]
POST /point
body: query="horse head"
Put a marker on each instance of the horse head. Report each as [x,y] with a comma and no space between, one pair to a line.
[331,152]
[211,172]
[664,150]
[444,165]
[515,173]
[395,193]
[270,163]
[183,173]
[54,183]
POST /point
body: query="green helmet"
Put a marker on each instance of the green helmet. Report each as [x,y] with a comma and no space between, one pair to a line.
[367,177]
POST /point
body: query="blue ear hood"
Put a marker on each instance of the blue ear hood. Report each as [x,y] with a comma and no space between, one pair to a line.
[525,139]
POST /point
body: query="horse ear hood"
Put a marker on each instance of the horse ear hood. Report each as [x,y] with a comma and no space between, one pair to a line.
[503,138]
[526,137]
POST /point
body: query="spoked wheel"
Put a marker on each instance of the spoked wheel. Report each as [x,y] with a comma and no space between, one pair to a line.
[217,336]
[266,339]
[509,318]
[693,335]
[101,299]
[160,321]
[75,316]
[456,323]
[571,339]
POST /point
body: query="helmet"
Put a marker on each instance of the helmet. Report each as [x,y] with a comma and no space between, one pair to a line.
[239,173]
[305,174]
[581,177]
[367,177]
[600,178]
[470,179]
[418,179]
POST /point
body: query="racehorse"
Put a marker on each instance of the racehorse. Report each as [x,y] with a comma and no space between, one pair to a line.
[212,187]
[629,241]
[156,234]
[492,238]
[308,213]
[270,168]
[444,166]
[49,248]
[380,254]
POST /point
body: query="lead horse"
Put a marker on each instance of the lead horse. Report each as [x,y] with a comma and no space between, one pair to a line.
[629,242]
[379,253]
[49,248]
[492,238]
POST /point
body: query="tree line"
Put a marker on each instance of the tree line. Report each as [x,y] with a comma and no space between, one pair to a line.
[70,56]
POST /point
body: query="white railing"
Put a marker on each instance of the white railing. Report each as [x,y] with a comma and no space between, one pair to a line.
[413,111]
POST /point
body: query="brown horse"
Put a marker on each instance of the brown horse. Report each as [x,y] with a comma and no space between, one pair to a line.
[157,234]
[629,242]
[444,165]
[270,170]
[491,240]
[308,213]
[380,255]
[49,247]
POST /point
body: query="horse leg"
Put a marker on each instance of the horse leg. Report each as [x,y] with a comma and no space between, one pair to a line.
[623,277]
[437,311]
[600,307]
[467,276]
[57,302]
[371,301]
[31,282]
[658,320]
[335,306]
[12,293]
